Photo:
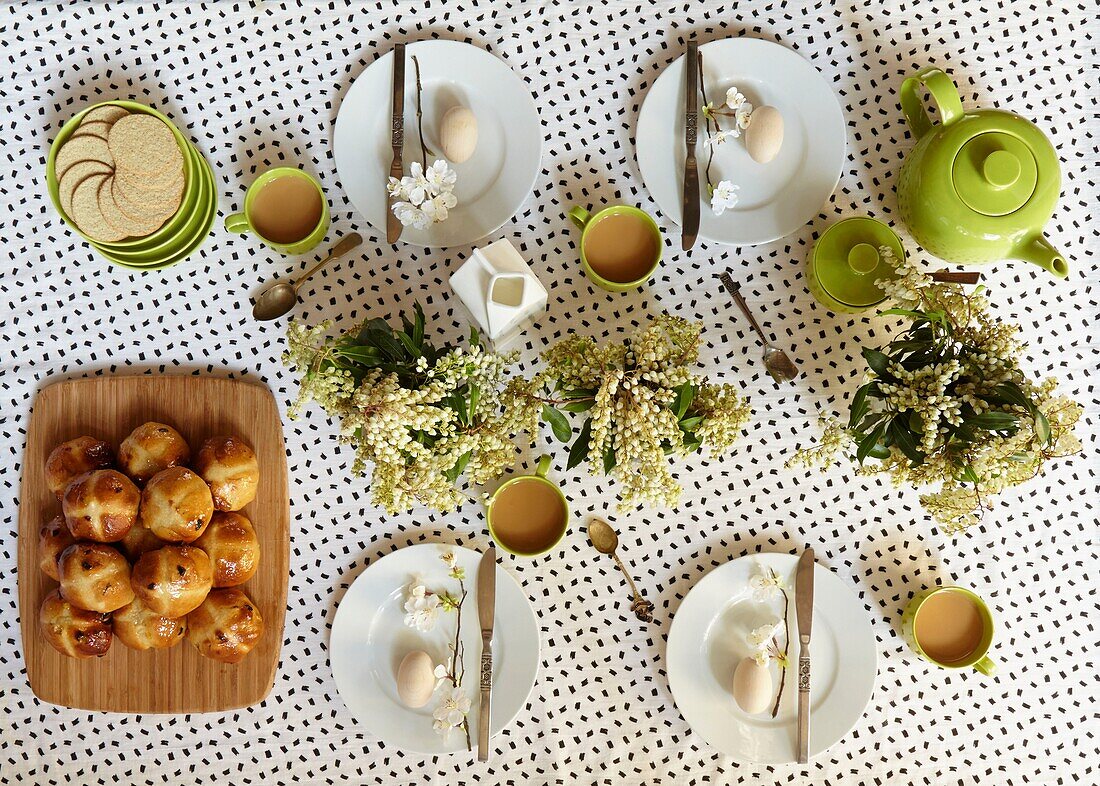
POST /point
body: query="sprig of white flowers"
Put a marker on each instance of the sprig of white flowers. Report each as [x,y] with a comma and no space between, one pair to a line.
[765,584]
[425,196]
[422,610]
[738,109]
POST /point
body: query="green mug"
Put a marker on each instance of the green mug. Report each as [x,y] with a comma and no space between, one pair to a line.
[530,548]
[585,221]
[241,223]
[977,659]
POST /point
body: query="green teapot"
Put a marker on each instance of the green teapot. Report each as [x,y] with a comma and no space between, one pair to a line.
[978,186]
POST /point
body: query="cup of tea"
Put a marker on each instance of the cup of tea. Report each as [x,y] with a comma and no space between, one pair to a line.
[620,246]
[950,627]
[528,515]
[286,208]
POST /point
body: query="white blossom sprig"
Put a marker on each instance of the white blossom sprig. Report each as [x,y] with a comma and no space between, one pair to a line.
[738,111]
[765,584]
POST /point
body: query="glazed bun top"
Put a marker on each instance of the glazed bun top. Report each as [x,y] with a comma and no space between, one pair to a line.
[94,576]
[151,448]
[53,538]
[172,580]
[233,547]
[230,466]
[176,505]
[74,632]
[101,505]
[226,626]
[71,459]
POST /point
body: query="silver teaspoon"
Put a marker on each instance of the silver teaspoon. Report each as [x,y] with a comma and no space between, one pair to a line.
[779,366]
[280,297]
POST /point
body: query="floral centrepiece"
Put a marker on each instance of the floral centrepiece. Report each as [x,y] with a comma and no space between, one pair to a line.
[422,416]
[946,404]
[641,403]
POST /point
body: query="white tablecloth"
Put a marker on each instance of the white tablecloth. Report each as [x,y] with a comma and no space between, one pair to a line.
[260,85]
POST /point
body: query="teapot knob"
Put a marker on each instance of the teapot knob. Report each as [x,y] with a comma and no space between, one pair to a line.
[1001,169]
[863,258]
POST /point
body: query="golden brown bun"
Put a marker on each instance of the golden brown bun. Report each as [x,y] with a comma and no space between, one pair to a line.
[52,540]
[140,628]
[176,505]
[71,459]
[226,626]
[229,465]
[151,448]
[101,505]
[172,580]
[95,577]
[72,631]
[140,540]
[232,545]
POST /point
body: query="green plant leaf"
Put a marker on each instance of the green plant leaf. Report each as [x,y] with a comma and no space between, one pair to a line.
[1010,393]
[459,467]
[879,452]
[418,325]
[905,440]
[860,405]
[901,312]
[366,356]
[410,345]
[579,406]
[692,423]
[559,424]
[1042,427]
[474,398]
[692,445]
[684,396]
[609,460]
[578,393]
[993,421]
[878,362]
[868,441]
[583,443]
[970,475]
[475,337]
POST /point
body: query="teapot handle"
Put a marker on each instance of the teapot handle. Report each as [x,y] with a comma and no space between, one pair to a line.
[943,93]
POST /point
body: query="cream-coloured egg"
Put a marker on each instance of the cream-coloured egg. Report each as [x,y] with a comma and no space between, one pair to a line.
[764,136]
[458,134]
[415,679]
[752,686]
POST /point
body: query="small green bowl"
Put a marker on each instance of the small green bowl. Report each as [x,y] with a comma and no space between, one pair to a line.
[187,202]
[170,245]
[196,241]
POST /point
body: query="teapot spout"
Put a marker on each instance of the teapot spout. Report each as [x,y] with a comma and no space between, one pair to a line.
[1040,252]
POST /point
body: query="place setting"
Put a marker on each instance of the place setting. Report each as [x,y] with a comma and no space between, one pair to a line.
[160,571]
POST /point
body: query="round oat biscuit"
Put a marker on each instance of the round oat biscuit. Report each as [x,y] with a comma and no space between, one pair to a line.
[86,213]
[139,210]
[97,128]
[119,220]
[105,114]
[71,179]
[81,148]
[143,145]
[165,188]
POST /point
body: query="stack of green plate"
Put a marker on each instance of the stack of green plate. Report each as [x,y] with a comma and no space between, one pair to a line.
[182,234]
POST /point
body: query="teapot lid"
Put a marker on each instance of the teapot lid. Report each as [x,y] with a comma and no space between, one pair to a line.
[847,261]
[994,173]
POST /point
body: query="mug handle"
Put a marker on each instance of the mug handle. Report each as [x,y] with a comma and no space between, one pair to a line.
[238,222]
[943,92]
[543,466]
[986,667]
[579,216]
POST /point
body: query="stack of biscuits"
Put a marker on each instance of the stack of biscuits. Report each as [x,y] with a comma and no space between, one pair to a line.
[120,175]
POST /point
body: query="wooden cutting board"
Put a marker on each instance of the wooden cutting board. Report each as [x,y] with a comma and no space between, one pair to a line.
[178,679]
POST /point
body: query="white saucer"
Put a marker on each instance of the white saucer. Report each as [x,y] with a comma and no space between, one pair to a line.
[491,185]
[708,639]
[370,638]
[776,198]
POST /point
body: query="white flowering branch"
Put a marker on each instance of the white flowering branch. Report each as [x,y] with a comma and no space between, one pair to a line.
[764,640]
[723,195]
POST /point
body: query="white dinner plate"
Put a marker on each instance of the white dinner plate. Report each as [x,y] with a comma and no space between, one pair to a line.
[491,185]
[776,198]
[708,639]
[370,638]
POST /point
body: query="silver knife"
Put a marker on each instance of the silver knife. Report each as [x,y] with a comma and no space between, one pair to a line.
[689,227]
[804,610]
[486,610]
[397,139]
